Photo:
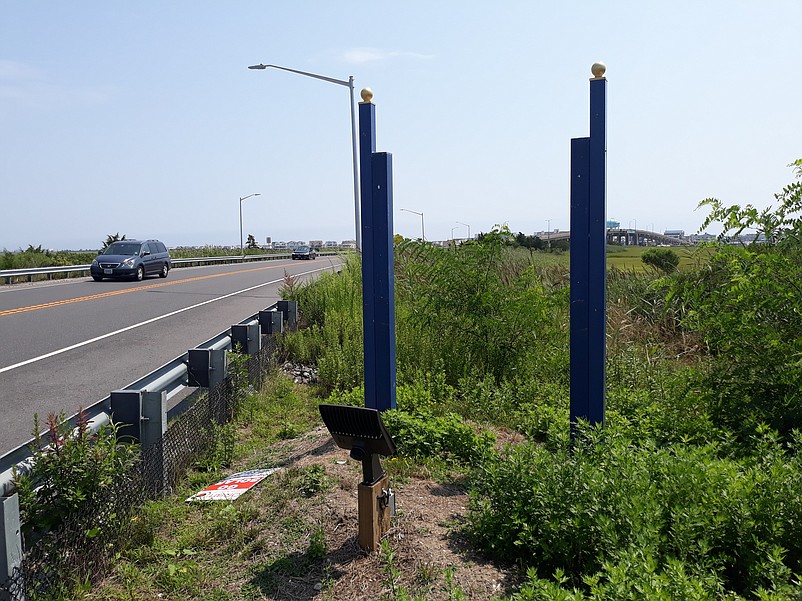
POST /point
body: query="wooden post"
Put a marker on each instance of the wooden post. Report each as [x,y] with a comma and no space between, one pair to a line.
[374,513]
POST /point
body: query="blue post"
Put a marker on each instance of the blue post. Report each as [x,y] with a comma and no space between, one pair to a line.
[589,261]
[378,302]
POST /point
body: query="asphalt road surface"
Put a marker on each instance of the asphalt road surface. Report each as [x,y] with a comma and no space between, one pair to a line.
[66,344]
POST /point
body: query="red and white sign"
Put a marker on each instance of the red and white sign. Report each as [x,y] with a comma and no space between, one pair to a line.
[233,486]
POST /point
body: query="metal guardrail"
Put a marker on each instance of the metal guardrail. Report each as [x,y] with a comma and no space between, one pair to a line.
[8,275]
[201,367]
[141,411]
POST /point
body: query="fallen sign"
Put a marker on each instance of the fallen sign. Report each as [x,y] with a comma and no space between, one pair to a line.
[233,486]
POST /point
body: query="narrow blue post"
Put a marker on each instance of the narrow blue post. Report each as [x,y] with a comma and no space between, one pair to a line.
[589,261]
[367,146]
[580,280]
[378,302]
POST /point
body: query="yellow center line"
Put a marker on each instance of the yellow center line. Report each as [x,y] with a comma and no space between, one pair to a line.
[127,290]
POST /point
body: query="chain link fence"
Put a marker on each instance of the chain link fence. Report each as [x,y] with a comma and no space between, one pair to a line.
[84,545]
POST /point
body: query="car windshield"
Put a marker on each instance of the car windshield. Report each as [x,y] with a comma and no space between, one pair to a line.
[302,249]
[122,248]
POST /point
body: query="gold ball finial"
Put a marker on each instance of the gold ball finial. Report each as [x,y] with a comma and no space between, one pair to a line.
[367,94]
[598,69]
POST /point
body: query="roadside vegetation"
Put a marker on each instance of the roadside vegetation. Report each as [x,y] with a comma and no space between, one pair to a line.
[691,490]
[694,489]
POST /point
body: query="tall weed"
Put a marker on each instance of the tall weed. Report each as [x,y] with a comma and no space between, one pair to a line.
[579,511]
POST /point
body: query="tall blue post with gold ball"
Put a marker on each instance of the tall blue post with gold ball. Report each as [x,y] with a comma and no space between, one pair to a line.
[589,261]
[378,289]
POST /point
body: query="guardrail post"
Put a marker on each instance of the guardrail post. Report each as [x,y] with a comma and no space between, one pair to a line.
[272,322]
[12,542]
[198,367]
[290,311]
[154,426]
[154,417]
[126,410]
[207,367]
[247,336]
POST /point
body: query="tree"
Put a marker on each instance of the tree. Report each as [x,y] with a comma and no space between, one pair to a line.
[252,242]
[112,238]
[532,242]
[663,259]
[780,226]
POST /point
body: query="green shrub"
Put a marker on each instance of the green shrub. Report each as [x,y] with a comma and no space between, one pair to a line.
[747,309]
[331,308]
[631,574]
[72,467]
[580,511]
[475,308]
[663,259]
[444,437]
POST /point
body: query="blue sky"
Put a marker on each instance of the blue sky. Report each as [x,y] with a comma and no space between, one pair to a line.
[143,119]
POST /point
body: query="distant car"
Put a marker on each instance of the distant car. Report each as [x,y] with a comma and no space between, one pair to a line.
[132,259]
[304,252]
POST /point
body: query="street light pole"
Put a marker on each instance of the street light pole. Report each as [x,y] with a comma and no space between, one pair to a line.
[350,85]
[422,233]
[241,247]
[469,228]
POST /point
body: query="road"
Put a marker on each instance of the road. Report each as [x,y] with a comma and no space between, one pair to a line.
[67,344]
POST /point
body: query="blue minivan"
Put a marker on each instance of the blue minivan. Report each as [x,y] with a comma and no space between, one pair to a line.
[132,259]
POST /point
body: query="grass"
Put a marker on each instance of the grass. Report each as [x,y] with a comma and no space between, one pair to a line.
[286,537]
[180,550]
[628,258]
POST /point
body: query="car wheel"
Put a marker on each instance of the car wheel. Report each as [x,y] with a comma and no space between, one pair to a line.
[140,273]
[97,278]
[165,270]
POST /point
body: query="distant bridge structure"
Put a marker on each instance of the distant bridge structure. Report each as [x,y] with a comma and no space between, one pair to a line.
[624,237]
[632,237]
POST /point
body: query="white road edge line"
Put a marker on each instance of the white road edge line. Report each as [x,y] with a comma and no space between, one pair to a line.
[144,323]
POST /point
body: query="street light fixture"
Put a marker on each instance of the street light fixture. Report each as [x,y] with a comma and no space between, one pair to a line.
[241,247]
[469,228]
[422,234]
[350,85]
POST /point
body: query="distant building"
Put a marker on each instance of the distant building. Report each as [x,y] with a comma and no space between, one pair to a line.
[612,224]
[330,244]
[316,243]
[676,234]
[348,244]
[701,238]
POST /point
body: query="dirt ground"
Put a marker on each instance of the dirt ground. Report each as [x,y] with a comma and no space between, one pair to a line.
[427,558]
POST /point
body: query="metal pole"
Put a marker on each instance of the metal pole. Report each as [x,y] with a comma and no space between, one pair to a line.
[241,247]
[422,231]
[355,160]
[350,85]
